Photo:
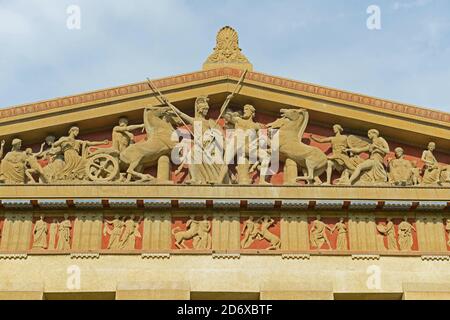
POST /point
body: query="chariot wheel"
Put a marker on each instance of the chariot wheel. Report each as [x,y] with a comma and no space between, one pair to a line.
[102,168]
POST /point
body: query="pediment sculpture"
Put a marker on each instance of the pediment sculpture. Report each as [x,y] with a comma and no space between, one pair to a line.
[232,149]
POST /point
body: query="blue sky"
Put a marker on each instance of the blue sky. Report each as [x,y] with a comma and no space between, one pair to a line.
[319,41]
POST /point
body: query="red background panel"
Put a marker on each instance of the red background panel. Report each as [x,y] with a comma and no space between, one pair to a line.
[105,238]
[331,222]
[180,223]
[396,222]
[262,244]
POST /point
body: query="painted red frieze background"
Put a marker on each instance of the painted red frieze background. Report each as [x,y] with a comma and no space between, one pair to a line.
[397,221]
[331,236]
[254,238]
[53,234]
[118,242]
[447,233]
[192,232]
[413,154]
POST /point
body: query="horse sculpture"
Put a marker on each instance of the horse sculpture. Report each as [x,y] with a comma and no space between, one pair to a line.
[159,124]
[291,127]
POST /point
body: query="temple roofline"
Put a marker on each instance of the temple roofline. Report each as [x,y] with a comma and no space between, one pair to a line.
[312,90]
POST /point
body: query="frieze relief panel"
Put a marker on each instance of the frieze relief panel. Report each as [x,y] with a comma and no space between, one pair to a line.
[397,234]
[242,232]
[260,232]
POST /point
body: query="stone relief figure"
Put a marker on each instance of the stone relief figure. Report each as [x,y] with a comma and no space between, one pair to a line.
[55,160]
[317,234]
[130,233]
[64,228]
[259,230]
[447,229]
[388,231]
[405,237]
[203,240]
[33,166]
[75,153]
[52,232]
[292,126]
[341,228]
[208,171]
[416,174]
[339,159]
[371,171]
[401,171]
[242,123]
[122,137]
[191,233]
[115,233]
[250,231]
[433,172]
[40,234]
[14,165]
[106,164]
[266,223]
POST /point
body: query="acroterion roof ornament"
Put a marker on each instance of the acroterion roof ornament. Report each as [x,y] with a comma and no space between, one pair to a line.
[227,52]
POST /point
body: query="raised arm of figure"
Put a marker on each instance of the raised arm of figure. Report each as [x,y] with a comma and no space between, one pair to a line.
[321,140]
[94,143]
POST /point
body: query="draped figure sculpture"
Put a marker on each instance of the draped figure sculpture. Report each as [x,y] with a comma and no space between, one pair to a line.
[401,171]
[371,171]
[339,159]
[40,231]
[75,154]
[14,165]
[204,170]
[433,172]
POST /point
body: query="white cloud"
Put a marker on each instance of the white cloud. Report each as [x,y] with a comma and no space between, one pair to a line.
[411,4]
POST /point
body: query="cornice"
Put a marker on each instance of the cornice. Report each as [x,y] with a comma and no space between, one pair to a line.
[316,91]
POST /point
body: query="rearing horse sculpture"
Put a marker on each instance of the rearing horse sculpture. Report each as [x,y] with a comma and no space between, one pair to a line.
[159,124]
[292,126]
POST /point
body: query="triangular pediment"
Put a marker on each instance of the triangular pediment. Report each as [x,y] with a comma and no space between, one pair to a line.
[99,110]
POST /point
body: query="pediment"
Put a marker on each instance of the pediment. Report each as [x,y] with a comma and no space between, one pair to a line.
[96,113]
[99,110]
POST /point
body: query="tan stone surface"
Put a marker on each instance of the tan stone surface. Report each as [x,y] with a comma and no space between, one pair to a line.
[205,274]
[102,191]
[153,291]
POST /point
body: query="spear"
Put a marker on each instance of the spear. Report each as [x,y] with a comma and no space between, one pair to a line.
[231,96]
[167,102]
[222,110]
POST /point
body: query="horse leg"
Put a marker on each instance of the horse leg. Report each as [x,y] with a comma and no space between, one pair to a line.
[309,174]
[184,245]
[132,172]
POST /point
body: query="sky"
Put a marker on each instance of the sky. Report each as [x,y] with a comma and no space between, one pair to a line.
[325,42]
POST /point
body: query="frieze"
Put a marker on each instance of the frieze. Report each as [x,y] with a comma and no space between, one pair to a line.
[227,235]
